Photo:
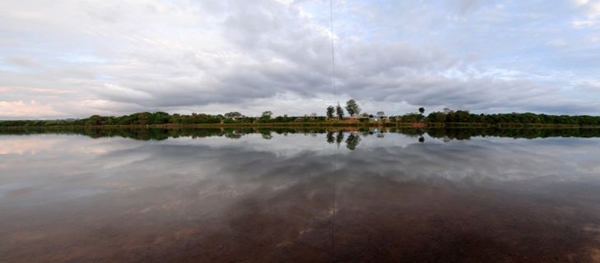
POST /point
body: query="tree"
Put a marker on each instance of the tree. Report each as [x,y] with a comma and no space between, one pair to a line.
[411,117]
[421,110]
[352,107]
[143,118]
[436,117]
[159,118]
[266,116]
[233,115]
[339,111]
[330,112]
[94,120]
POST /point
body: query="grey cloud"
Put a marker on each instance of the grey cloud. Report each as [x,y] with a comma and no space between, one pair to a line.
[22,61]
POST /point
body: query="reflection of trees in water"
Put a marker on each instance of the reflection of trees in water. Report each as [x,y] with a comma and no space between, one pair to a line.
[465,134]
[337,135]
[233,135]
[352,141]
[330,137]
[266,134]
[339,138]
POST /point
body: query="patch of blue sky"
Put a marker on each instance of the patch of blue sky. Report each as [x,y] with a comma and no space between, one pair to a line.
[82,59]
[12,68]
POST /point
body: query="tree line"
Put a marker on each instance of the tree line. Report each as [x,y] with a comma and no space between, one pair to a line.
[462,116]
[333,114]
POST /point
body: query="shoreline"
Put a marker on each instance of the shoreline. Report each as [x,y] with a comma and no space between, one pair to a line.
[415,125]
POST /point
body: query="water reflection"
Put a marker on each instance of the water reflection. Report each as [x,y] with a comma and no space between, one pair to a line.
[76,199]
[162,134]
[332,135]
[352,141]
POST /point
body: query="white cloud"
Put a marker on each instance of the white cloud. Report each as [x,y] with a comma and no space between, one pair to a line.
[585,23]
[580,2]
[589,7]
[27,109]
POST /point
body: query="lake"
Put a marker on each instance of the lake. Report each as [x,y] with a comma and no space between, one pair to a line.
[300,196]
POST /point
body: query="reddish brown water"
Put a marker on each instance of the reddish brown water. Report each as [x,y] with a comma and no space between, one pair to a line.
[221,200]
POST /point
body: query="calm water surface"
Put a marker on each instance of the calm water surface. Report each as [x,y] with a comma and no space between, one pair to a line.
[331,197]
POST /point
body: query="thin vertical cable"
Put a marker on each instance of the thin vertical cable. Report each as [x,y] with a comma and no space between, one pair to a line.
[335,156]
[332,48]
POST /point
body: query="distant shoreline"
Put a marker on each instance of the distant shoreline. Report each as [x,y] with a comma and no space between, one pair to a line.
[338,124]
[445,119]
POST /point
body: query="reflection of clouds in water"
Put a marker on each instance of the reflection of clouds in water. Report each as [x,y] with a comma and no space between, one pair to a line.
[60,167]
[30,145]
[591,167]
[292,144]
[11,188]
[570,158]
[50,144]
[283,145]
[284,161]
[502,160]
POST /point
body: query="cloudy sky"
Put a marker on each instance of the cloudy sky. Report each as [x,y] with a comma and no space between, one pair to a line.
[75,58]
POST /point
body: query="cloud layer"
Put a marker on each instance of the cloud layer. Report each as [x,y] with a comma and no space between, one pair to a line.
[77,58]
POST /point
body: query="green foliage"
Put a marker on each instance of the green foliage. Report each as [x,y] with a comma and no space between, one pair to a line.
[352,107]
[159,118]
[339,111]
[330,112]
[527,118]
[409,117]
[436,117]
[449,118]
[266,116]
[233,115]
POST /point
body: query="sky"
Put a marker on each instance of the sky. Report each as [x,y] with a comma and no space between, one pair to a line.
[75,58]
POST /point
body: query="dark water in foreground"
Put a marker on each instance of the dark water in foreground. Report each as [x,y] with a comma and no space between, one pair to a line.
[330,197]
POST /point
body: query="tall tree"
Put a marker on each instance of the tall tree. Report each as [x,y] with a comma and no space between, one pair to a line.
[421,110]
[330,112]
[266,116]
[339,111]
[352,107]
